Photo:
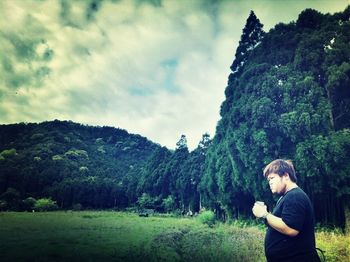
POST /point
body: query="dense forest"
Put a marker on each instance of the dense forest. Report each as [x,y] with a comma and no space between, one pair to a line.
[95,167]
[288,96]
[74,164]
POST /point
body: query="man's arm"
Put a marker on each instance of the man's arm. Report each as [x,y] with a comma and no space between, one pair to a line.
[278,224]
[275,222]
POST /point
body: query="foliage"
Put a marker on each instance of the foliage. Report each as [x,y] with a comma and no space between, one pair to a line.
[334,243]
[28,203]
[3,205]
[182,143]
[168,203]
[45,204]
[10,199]
[207,217]
[8,153]
[77,207]
[64,161]
[250,39]
[146,201]
[289,99]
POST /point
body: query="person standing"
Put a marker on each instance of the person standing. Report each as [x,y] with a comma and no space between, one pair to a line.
[290,234]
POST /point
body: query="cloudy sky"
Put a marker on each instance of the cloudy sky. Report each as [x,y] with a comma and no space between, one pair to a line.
[157,68]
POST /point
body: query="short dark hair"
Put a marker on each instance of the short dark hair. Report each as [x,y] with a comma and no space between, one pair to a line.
[280,167]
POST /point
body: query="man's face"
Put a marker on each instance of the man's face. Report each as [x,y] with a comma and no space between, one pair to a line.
[277,183]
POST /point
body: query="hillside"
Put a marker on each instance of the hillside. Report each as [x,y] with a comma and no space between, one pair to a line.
[72,163]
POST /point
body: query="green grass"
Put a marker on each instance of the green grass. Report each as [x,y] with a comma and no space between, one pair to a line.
[117,236]
[335,244]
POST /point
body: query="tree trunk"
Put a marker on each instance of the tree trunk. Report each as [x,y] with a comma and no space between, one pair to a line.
[347,219]
[331,117]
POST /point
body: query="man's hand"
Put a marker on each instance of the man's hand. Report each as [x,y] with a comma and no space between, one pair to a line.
[259,209]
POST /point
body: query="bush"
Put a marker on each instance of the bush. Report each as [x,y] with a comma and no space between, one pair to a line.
[12,199]
[168,203]
[28,204]
[45,204]
[8,152]
[146,201]
[3,205]
[207,217]
[77,207]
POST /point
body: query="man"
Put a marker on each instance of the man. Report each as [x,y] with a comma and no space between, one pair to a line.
[290,234]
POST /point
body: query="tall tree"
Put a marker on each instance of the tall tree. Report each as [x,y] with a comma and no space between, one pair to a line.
[294,107]
[250,39]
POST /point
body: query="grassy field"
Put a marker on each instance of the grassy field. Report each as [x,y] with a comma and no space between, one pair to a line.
[117,236]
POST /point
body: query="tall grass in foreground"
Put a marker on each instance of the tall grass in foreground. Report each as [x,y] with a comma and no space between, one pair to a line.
[335,244]
[117,236]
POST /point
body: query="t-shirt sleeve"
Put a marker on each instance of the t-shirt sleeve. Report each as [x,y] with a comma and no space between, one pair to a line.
[294,212]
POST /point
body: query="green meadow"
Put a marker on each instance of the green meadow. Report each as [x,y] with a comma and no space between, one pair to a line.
[120,236]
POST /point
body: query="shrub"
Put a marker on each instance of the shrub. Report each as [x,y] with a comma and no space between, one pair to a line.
[28,204]
[3,205]
[77,207]
[10,195]
[168,203]
[37,158]
[146,201]
[57,158]
[8,152]
[12,199]
[76,154]
[45,204]
[207,217]
[83,169]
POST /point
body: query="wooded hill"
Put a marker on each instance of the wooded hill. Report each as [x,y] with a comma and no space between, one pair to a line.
[95,167]
[288,96]
[71,163]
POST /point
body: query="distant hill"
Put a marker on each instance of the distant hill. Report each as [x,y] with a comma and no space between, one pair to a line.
[72,163]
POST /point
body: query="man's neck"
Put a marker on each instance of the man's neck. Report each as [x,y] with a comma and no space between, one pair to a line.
[290,186]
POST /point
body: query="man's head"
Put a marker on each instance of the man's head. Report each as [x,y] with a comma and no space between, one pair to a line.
[280,174]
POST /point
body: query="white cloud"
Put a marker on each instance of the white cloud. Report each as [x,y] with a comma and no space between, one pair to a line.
[156,71]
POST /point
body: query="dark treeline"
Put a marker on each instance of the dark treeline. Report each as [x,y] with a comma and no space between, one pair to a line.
[288,96]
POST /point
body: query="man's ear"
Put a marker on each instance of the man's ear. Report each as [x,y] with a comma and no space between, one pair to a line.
[286,175]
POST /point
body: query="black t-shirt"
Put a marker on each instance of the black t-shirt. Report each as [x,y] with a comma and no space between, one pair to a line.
[296,211]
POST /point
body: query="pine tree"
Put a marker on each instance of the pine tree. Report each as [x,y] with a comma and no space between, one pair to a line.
[251,38]
[182,143]
[204,143]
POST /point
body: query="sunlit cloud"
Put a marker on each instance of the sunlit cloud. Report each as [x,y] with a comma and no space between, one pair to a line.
[155,68]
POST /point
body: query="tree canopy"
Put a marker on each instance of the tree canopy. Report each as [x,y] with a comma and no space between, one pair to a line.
[289,99]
